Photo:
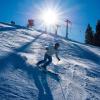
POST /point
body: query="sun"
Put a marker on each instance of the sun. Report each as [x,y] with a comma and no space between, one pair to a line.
[49,16]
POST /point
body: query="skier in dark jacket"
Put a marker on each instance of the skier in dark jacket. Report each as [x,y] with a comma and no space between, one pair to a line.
[48,56]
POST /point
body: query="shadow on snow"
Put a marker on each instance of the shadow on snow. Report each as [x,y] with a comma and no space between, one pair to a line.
[18,62]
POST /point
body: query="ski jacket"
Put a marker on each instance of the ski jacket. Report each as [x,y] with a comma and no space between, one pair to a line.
[51,50]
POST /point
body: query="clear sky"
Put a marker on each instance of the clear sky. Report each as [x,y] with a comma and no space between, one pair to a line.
[80,12]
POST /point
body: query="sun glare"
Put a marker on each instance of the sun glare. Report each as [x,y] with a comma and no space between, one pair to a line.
[50,14]
[49,17]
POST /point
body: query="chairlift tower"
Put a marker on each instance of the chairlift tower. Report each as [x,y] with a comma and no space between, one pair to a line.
[56,29]
[67,27]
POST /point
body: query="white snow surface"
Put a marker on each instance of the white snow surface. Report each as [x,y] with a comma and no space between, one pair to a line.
[4,25]
[20,79]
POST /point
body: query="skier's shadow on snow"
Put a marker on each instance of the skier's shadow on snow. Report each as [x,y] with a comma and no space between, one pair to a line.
[40,80]
[16,61]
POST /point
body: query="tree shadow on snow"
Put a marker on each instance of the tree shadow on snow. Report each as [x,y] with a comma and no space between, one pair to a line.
[84,53]
[13,58]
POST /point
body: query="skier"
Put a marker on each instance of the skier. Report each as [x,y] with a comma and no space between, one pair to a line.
[48,56]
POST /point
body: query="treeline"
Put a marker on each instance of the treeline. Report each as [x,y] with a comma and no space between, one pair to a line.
[92,37]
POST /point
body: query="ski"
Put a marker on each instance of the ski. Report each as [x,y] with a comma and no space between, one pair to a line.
[51,71]
[47,71]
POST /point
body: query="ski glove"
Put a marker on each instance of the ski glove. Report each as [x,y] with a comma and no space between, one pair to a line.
[58,59]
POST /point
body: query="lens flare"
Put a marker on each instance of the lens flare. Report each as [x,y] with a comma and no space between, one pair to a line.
[50,17]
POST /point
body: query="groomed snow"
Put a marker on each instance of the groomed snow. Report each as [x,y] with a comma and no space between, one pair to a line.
[20,79]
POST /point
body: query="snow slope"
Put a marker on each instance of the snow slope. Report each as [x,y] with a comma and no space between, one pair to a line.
[20,79]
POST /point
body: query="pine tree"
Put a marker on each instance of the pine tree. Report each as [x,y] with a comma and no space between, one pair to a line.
[97,34]
[89,35]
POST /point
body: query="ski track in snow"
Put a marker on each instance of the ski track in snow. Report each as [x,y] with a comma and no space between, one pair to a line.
[20,79]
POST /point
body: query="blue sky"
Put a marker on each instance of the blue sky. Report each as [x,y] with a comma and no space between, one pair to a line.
[80,12]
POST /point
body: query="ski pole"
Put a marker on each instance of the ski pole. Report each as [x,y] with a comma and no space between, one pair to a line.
[61,87]
[62,91]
